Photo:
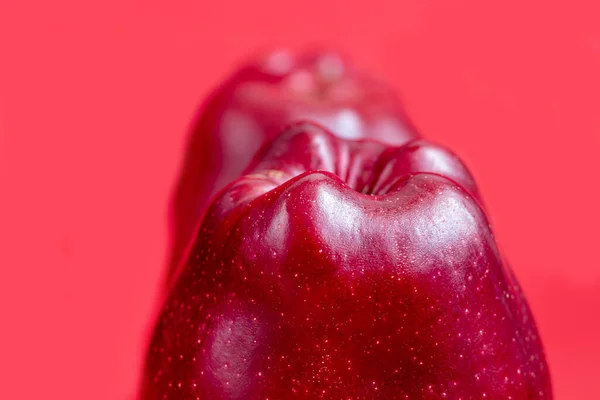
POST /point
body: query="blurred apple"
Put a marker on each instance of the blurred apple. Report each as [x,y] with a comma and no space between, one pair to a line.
[256,103]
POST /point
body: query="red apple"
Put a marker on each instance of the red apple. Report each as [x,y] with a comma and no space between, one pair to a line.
[340,269]
[256,102]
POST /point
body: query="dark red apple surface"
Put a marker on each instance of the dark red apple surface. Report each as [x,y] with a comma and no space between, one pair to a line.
[256,102]
[340,269]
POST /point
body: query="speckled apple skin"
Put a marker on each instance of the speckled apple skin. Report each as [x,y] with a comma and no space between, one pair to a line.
[339,269]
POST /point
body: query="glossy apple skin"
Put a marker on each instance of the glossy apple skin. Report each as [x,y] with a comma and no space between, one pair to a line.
[338,269]
[256,102]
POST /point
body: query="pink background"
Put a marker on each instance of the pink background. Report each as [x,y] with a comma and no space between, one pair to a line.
[96,99]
